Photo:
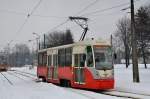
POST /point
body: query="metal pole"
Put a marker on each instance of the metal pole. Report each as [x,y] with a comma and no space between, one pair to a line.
[37,50]
[134,46]
[38,44]
[8,52]
[44,42]
[111,42]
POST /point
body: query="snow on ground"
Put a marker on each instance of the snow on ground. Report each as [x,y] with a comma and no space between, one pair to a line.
[27,88]
[124,79]
[26,68]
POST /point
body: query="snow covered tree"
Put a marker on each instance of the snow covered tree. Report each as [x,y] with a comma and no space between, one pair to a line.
[123,36]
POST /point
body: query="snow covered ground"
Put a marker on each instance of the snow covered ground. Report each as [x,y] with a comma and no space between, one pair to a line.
[124,79]
[25,87]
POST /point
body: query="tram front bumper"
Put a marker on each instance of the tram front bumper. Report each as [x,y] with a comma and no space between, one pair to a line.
[104,84]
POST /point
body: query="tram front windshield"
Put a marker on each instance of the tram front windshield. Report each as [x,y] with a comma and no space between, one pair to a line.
[103,58]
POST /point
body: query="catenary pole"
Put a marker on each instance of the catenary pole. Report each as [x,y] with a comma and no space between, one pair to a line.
[134,46]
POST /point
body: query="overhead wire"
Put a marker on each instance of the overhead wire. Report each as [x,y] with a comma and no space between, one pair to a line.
[25,21]
[59,25]
[12,12]
[107,9]
[87,7]
[90,13]
[35,7]
[26,14]
[31,14]
[64,22]
[47,16]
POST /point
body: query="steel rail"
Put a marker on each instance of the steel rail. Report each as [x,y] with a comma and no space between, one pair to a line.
[6,79]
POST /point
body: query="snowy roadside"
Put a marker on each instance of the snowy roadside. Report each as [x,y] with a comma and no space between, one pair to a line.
[26,68]
[124,82]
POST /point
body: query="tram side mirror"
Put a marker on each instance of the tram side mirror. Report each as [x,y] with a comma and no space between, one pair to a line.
[115,56]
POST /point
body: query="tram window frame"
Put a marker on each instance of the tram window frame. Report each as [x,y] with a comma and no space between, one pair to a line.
[44,59]
[49,60]
[61,57]
[40,59]
[79,60]
[68,57]
[76,60]
[82,60]
[89,59]
[55,60]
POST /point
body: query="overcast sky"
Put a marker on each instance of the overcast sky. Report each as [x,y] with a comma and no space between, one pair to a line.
[13,14]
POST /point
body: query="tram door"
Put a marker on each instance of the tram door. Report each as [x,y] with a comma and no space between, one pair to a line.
[50,67]
[79,60]
[55,68]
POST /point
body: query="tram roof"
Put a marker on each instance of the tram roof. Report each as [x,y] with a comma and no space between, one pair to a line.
[80,43]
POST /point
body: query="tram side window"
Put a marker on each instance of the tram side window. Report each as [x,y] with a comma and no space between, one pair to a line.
[40,59]
[68,56]
[49,60]
[79,60]
[89,56]
[61,57]
[82,60]
[44,60]
[76,60]
[55,58]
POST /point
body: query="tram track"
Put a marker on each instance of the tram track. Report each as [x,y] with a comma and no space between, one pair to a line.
[13,74]
[22,74]
[78,92]
[9,81]
[25,72]
[115,93]
[119,94]
[85,94]
[131,95]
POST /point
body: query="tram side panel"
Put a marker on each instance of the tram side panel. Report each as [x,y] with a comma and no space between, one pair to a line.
[65,73]
[42,71]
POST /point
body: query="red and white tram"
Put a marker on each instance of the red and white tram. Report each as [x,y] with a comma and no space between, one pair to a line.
[85,64]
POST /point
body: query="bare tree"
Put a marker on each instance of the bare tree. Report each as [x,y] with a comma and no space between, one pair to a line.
[21,55]
[58,38]
[123,36]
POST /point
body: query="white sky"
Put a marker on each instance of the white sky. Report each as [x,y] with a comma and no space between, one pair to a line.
[101,25]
